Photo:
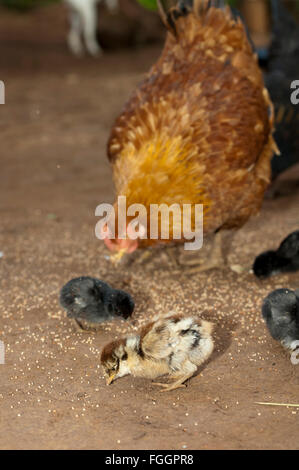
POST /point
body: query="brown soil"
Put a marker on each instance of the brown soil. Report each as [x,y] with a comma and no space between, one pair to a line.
[54,172]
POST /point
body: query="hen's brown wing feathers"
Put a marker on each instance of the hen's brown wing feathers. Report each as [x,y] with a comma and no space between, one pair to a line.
[204,99]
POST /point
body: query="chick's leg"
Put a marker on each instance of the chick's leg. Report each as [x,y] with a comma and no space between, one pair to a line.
[179,378]
[79,327]
[178,383]
[166,386]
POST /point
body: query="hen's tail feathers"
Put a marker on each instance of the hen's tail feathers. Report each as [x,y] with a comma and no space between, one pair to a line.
[283,21]
[284,50]
[282,67]
[169,17]
[184,7]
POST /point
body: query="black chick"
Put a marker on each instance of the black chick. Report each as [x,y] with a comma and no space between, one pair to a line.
[284,259]
[94,301]
[281,313]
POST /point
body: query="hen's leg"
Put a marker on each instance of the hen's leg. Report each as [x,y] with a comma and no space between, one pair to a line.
[144,256]
[168,252]
[214,260]
[172,256]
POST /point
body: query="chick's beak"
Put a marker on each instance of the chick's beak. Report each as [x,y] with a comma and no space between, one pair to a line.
[110,379]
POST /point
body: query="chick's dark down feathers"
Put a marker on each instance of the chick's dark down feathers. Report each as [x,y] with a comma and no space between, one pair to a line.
[284,259]
[281,312]
[94,300]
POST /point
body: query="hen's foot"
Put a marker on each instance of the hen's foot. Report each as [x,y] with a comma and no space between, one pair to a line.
[214,260]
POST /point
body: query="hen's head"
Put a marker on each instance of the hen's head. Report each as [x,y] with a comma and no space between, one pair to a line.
[126,242]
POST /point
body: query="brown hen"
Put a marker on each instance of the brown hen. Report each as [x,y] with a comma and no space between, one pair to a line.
[198,129]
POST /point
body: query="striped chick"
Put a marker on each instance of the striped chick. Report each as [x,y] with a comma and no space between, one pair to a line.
[173,345]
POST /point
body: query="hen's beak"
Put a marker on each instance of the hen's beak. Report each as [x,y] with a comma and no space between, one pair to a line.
[110,379]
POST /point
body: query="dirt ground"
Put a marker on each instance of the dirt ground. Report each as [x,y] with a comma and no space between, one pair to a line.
[54,127]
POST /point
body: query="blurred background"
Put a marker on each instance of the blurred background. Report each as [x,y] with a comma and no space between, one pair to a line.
[120,23]
[62,96]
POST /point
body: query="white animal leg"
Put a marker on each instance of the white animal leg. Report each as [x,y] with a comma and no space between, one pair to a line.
[89,21]
[74,36]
